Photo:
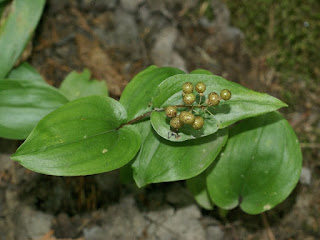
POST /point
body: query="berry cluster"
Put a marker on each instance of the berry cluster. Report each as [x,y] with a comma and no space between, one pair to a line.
[187,117]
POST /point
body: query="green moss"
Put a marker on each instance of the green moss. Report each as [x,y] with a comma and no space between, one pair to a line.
[286,32]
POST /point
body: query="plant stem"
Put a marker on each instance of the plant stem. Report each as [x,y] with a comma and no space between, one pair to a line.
[147,114]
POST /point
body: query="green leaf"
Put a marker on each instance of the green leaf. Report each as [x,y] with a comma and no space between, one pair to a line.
[81,138]
[26,72]
[160,160]
[16,31]
[77,85]
[137,95]
[201,71]
[244,103]
[259,166]
[23,104]
[198,188]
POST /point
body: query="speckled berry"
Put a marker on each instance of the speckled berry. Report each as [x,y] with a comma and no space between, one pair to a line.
[186,117]
[187,87]
[225,94]
[175,123]
[189,98]
[171,111]
[198,123]
[200,87]
[213,99]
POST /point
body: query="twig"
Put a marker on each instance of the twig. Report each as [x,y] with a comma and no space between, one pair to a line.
[267,226]
[310,145]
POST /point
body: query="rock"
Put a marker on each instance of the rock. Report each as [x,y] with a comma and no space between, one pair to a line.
[94,233]
[124,35]
[183,224]
[97,5]
[305,177]
[5,162]
[130,5]
[163,54]
[124,215]
[214,232]
[31,224]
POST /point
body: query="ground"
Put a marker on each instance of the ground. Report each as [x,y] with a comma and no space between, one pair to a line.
[116,39]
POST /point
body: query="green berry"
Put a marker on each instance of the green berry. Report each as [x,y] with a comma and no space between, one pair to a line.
[213,99]
[186,118]
[200,87]
[198,123]
[175,123]
[225,94]
[187,87]
[171,111]
[189,98]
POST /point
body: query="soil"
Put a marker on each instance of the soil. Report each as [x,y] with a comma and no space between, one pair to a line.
[116,39]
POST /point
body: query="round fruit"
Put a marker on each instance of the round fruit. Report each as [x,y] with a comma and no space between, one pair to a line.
[175,123]
[213,99]
[171,111]
[189,98]
[200,87]
[198,123]
[187,87]
[225,94]
[186,118]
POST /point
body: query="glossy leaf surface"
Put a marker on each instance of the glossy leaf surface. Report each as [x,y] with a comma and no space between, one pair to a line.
[160,160]
[259,166]
[16,30]
[137,95]
[23,104]
[80,138]
[244,103]
[26,72]
[198,188]
[77,85]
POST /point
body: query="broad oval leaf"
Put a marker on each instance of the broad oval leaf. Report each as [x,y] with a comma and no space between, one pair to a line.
[259,166]
[26,72]
[23,104]
[16,31]
[160,160]
[137,95]
[77,85]
[81,138]
[198,188]
[244,103]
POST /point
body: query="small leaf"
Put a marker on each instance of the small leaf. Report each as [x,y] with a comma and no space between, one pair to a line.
[160,160]
[26,72]
[77,85]
[259,166]
[198,188]
[80,138]
[244,103]
[17,30]
[23,104]
[137,95]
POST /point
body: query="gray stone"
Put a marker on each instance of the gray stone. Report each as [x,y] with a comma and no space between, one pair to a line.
[130,5]
[31,224]
[183,224]
[5,162]
[97,5]
[214,232]
[305,177]
[124,215]
[163,54]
